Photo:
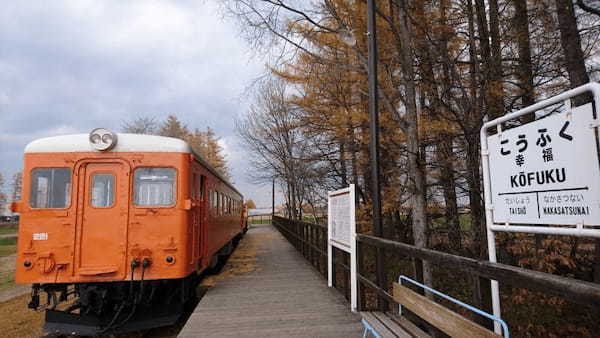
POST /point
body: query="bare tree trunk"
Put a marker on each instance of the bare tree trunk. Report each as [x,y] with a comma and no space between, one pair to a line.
[343,169]
[497,87]
[571,46]
[491,85]
[575,64]
[446,145]
[416,169]
[473,65]
[525,69]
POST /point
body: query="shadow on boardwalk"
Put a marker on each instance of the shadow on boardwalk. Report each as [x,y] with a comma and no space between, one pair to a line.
[274,293]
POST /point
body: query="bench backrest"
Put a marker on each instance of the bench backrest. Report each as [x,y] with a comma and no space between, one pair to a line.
[439,316]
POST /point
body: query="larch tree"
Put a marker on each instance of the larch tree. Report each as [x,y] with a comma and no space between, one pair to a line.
[250,204]
[172,127]
[205,143]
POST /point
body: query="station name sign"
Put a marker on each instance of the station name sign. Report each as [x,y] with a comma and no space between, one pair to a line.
[547,171]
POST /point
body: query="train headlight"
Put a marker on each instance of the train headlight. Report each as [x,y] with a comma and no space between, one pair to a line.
[103,139]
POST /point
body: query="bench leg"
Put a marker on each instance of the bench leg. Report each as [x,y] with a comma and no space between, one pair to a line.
[369,328]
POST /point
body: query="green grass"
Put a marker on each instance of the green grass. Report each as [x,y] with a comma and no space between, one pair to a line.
[259,221]
[8,246]
[9,230]
[7,250]
[8,241]
[464,220]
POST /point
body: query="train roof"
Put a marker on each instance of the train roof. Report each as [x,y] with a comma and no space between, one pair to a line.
[126,143]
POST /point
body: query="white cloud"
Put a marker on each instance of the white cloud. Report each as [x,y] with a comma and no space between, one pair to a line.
[70,66]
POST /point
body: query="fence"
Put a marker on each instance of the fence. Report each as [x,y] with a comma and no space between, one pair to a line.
[311,240]
[259,219]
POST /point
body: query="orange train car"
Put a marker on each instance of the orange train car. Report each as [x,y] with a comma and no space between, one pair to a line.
[123,224]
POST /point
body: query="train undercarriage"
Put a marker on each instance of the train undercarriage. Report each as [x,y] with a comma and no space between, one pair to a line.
[108,308]
[92,309]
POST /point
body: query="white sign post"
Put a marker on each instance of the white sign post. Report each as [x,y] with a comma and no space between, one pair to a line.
[543,174]
[341,233]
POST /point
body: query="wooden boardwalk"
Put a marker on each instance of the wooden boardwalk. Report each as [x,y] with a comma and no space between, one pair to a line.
[282,296]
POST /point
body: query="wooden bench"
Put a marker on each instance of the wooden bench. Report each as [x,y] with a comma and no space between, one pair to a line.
[384,325]
[388,325]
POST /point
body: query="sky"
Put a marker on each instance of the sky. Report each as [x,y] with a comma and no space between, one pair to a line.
[72,66]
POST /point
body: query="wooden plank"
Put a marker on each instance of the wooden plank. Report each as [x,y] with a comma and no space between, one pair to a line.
[381,329]
[578,291]
[282,296]
[444,319]
[400,324]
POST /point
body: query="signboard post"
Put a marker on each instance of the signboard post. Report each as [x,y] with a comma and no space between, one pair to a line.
[543,174]
[341,233]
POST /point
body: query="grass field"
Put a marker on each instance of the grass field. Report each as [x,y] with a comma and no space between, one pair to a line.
[259,219]
[8,246]
[8,230]
[464,220]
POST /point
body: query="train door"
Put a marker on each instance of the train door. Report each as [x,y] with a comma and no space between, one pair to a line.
[103,207]
[202,213]
[195,221]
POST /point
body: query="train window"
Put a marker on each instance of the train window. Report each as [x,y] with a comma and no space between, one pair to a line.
[202,187]
[194,193]
[216,202]
[103,190]
[50,188]
[220,206]
[154,186]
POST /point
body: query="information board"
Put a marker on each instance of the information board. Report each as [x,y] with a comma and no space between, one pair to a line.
[341,233]
[341,222]
[547,171]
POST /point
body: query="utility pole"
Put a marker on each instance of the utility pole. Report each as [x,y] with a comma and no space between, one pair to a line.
[273,198]
[374,146]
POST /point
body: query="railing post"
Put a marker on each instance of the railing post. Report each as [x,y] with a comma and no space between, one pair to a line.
[359,267]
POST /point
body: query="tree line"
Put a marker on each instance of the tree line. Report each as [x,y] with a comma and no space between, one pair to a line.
[445,67]
[204,142]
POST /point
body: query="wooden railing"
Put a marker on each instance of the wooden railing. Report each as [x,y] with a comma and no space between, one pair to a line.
[311,240]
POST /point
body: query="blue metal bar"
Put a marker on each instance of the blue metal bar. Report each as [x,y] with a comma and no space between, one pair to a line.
[369,328]
[456,301]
